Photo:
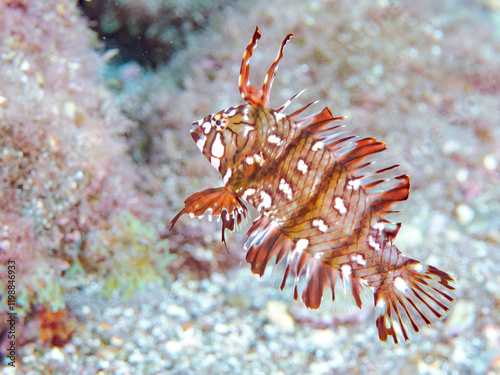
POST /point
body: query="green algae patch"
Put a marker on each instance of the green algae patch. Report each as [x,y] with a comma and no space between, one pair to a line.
[132,254]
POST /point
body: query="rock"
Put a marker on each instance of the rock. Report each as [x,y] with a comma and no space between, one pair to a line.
[465,214]
[56,355]
[277,313]
[461,317]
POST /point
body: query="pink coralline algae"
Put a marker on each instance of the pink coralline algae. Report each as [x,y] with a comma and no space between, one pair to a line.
[65,173]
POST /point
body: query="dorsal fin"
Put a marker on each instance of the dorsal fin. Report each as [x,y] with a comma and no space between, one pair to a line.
[318,121]
[357,158]
[252,95]
[382,201]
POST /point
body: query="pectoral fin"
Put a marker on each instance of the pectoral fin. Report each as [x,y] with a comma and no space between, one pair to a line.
[219,202]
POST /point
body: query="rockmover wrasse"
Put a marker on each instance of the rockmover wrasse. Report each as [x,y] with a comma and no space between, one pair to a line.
[323,205]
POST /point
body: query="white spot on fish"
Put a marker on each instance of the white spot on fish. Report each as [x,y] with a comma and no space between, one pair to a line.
[418,267]
[217,147]
[231,113]
[284,187]
[318,146]
[381,303]
[215,162]
[321,225]
[206,126]
[339,206]
[346,271]
[266,201]
[245,114]
[315,183]
[227,176]
[302,166]
[247,130]
[201,143]
[259,159]
[249,160]
[274,139]
[379,226]
[274,224]
[279,116]
[400,284]
[359,259]
[354,184]
[372,243]
[301,245]
[247,193]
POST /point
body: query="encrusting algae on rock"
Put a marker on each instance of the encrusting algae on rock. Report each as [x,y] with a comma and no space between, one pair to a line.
[322,205]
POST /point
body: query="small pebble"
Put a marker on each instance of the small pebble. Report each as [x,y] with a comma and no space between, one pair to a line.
[221,328]
[103,364]
[116,341]
[28,359]
[136,357]
[173,346]
[322,338]
[85,310]
[465,214]
[462,316]
[277,313]
[70,349]
[490,163]
[56,355]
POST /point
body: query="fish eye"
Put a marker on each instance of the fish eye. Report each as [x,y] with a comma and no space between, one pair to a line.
[219,121]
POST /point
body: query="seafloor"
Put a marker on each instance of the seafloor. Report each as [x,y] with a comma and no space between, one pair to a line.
[96,159]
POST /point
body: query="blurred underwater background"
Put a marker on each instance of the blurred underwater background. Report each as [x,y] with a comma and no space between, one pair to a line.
[96,103]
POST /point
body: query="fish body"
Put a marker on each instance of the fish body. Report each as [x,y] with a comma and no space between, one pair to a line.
[322,205]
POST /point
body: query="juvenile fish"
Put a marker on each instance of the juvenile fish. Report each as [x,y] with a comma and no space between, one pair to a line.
[322,205]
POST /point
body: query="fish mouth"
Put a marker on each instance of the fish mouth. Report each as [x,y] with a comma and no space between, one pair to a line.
[197,131]
[198,135]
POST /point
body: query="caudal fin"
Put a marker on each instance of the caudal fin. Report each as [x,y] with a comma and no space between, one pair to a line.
[419,294]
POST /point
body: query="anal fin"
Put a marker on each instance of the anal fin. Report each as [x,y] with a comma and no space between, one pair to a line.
[218,202]
[267,240]
[322,275]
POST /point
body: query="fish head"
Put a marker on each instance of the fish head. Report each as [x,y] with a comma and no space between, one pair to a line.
[226,135]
